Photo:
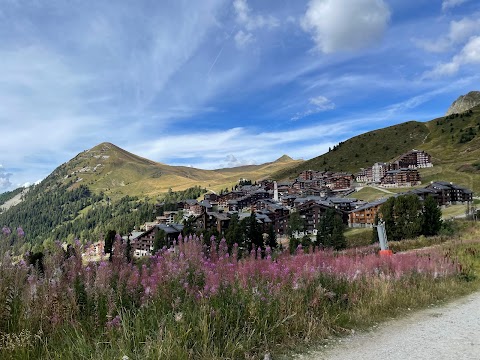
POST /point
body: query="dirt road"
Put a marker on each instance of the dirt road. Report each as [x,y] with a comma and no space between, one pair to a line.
[449,332]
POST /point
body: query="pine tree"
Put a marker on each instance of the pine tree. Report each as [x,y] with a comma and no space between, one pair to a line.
[272,237]
[339,241]
[234,234]
[295,223]
[374,230]
[254,234]
[160,241]
[431,217]
[330,231]
[388,216]
[109,239]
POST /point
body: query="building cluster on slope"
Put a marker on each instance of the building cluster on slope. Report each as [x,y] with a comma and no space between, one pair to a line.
[273,204]
[402,172]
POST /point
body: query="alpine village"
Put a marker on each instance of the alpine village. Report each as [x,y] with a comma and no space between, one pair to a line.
[115,256]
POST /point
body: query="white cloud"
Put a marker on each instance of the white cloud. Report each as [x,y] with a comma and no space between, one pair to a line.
[232,161]
[316,104]
[5,183]
[251,21]
[322,103]
[448,4]
[338,25]
[469,55]
[459,31]
[242,39]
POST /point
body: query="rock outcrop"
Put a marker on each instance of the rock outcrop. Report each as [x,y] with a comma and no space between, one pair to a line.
[464,103]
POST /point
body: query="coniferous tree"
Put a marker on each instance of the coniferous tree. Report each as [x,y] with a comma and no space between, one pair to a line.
[407,216]
[388,216]
[272,237]
[109,239]
[254,234]
[330,231]
[431,217]
[234,234]
[339,241]
[160,241]
[128,251]
[374,230]
[295,223]
[402,216]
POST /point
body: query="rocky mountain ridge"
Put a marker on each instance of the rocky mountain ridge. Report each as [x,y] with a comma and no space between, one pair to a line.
[464,103]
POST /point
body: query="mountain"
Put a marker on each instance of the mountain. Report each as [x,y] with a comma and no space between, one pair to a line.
[464,103]
[109,169]
[453,141]
[107,187]
[364,150]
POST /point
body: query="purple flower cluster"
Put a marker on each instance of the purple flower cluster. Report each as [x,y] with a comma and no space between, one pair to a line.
[190,271]
[6,231]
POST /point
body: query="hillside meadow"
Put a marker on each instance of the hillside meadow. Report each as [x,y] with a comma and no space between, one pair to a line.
[453,141]
[204,303]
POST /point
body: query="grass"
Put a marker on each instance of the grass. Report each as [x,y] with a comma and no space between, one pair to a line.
[357,237]
[122,173]
[369,193]
[364,150]
[454,160]
[453,211]
[193,304]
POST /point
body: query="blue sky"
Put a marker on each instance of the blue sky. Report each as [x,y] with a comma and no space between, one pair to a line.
[218,83]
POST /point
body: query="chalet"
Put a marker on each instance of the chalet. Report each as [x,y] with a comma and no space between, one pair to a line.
[192,206]
[211,197]
[379,170]
[340,181]
[214,220]
[362,175]
[312,211]
[342,204]
[414,159]
[400,178]
[168,217]
[143,242]
[449,193]
[364,216]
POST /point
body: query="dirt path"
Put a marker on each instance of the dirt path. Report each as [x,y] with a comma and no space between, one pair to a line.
[449,332]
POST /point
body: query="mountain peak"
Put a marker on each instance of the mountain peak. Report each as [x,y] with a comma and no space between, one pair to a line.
[284,158]
[464,103]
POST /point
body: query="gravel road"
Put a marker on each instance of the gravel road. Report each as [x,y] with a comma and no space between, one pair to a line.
[449,332]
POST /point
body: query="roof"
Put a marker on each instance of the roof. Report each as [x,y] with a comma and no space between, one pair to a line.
[370,205]
[337,200]
[136,234]
[171,228]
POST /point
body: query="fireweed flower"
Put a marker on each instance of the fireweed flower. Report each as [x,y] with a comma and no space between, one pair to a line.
[20,232]
[6,231]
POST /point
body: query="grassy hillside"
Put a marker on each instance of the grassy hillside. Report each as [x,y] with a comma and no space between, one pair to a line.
[364,150]
[116,172]
[453,142]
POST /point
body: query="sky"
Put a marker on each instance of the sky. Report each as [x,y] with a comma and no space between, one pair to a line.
[221,83]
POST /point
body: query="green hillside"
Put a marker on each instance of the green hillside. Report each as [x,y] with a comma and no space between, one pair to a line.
[454,144]
[453,141]
[364,150]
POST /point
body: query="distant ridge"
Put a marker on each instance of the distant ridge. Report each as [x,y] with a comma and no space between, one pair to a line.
[109,169]
[464,103]
[284,158]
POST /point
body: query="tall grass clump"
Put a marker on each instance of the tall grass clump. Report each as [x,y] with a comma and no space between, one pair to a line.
[193,302]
